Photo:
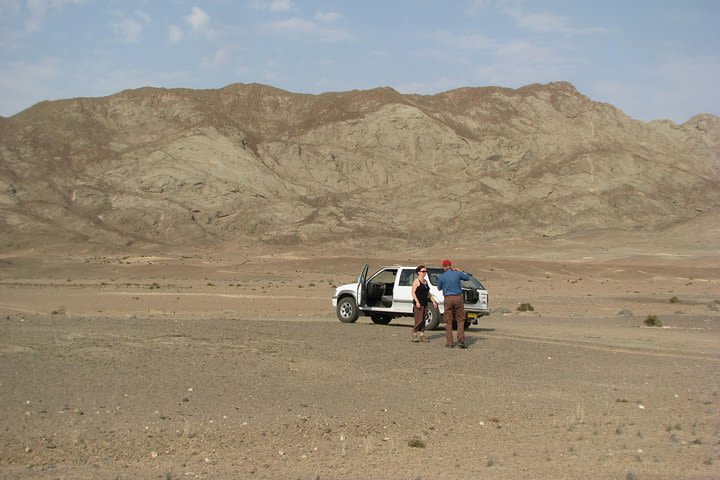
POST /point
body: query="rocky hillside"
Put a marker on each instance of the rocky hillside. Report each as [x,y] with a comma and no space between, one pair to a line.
[252,163]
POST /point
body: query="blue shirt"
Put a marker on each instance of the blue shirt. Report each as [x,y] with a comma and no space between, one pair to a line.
[449,282]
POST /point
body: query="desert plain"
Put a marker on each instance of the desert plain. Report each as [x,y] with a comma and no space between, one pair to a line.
[231,364]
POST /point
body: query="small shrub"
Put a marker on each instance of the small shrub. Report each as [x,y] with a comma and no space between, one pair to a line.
[674,299]
[525,307]
[653,321]
[416,442]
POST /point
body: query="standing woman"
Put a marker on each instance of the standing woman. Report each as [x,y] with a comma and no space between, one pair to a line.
[421,296]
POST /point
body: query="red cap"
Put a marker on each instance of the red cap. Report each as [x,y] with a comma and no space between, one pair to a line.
[446,263]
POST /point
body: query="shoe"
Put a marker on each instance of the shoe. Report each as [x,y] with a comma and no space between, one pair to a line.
[462,345]
[449,345]
[423,338]
[414,339]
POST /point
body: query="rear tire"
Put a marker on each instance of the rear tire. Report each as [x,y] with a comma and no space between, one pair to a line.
[381,319]
[432,317]
[347,310]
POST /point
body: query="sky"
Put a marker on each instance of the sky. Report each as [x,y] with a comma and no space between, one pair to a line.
[652,59]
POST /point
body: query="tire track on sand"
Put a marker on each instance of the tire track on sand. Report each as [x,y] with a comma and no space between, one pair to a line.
[707,357]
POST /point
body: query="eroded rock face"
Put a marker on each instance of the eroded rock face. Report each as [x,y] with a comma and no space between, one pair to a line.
[254,163]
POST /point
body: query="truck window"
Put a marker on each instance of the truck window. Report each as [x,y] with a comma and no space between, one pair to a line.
[407,277]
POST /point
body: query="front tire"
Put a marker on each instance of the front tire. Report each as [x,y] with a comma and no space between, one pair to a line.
[347,310]
[432,318]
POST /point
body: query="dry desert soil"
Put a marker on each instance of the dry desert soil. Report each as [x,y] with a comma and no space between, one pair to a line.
[232,365]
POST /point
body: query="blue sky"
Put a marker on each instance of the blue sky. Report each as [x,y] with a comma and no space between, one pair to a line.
[653,59]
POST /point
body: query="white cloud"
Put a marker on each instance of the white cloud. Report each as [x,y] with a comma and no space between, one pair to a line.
[198,19]
[219,58]
[294,24]
[548,23]
[38,10]
[129,28]
[175,34]
[470,41]
[301,26]
[274,5]
[146,18]
[327,17]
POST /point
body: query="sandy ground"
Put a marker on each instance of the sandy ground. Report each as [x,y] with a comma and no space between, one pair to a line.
[235,366]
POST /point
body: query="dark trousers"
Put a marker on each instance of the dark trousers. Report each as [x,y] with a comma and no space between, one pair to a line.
[454,310]
[419,314]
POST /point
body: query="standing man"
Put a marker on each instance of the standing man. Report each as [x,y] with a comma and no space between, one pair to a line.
[449,283]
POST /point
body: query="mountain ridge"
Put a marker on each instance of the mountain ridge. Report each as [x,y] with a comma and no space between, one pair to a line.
[253,163]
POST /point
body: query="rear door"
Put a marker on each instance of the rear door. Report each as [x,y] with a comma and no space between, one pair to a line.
[403,301]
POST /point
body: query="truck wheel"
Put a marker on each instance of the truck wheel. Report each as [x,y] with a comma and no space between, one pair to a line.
[432,318]
[347,310]
[380,319]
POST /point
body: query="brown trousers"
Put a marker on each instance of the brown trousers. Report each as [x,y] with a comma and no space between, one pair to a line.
[419,314]
[454,310]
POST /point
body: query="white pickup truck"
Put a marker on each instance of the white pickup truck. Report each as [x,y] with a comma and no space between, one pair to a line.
[387,295]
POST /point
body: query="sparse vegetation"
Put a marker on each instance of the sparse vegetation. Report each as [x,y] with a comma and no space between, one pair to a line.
[525,307]
[416,442]
[58,311]
[674,299]
[154,286]
[653,321]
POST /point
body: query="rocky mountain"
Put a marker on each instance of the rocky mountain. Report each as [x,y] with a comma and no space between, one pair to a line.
[252,163]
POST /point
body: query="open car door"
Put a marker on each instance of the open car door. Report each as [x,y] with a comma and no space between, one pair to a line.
[361,292]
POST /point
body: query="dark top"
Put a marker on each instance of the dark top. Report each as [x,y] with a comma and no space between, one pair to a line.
[422,292]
